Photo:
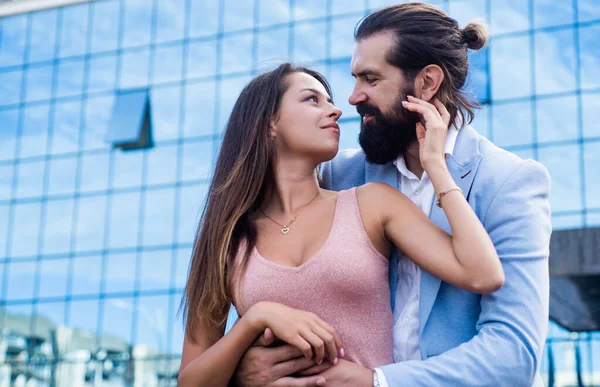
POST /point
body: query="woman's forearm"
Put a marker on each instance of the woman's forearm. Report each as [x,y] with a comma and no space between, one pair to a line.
[216,365]
[471,243]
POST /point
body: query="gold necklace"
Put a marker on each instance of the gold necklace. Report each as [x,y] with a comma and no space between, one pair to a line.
[285,228]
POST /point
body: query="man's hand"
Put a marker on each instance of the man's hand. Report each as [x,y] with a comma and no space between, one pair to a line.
[345,373]
[264,366]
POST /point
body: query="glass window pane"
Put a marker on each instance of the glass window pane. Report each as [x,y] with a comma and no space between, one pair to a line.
[510,67]
[588,10]
[70,78]
[124,220]
[86,275]
[12,40]
[182,265]
[74,30]
[152,322]
[21,280]
[102,73]
[567,222]
[106,22]
[127,169]
[34,132]
[509,16]
[306,47]
[170,20]
[62,176]
[591,159]
[561,161]
[168,64]
[272,47]
[53,277]
[309,9]
[156,270]
[208,12]
[117,318]
[58,227]
[177,326]
[84,315]
[52,313]
[138,16]
[230,91]
[547,13]
[273,12]
[42,44]
[4,233]
[134,69]
[557,119]
[477,79]
[90,223]
[11,86]
[162,164]
[67,124]
[591,114]
[126,124]
[589,51]
[202,59]
[343,84]
[120,273]
[525,154]
[165,109]
[191,201]
[158,217]
[6,181]
[199,109]
[554,62]
[237,53]
[13,322]
[481,122]
[197,160]
[39,82]
[342,7]
[342,37]
[30,179]
[94,172]
[98,114]
[9,119]
[592,219]
[238,15]
[512,124]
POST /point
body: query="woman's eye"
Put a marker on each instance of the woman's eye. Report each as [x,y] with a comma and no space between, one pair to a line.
[312,98]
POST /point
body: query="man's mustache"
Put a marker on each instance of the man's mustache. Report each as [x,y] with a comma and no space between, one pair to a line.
[364,109]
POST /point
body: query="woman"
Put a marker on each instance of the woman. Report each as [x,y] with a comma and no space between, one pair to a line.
[308,263]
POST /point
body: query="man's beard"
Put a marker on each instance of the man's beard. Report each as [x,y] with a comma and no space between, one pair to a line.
[385,137]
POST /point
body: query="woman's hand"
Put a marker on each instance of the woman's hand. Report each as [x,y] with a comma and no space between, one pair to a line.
[303,330]
[431,131]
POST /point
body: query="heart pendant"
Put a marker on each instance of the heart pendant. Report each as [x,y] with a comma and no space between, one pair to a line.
[285,230]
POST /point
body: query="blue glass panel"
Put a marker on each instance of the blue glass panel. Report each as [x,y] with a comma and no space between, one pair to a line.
[156,270]
[159,209]
[511,124]
[94,172]
[124,215]
[168,64]
[21,280]
[557,119]
[58,227]
[86,275]
[208,12]
[98,114]
[43,36]
[53,277]
[91,213]
[117,318]
[166,110]
[177,327]
[191,201]
[568,222]
[34,132]
[509,16]
[525,154]
[39,82]
[561,161]
[70,78]
[120,273]
[238,15]
[309,44]
[102,73]
[342,7]
[128,167]
[62,176]
[161,164]
[8,133]
[105,24]
[510,67]
[4,220]
[152,322]
[74,32]
[592,219]
[6,181]
[25,229]
[230,91]
[84,315]
[342,37]
[466,11]
[67,127]
[197,160]
[591,159]
[21,311]
[13,32]
[589,51]
[273,47]
[481,122]
[30,179]
[237,53]
[199,109]
[53,311]
[554,61]
[588,10]
[591,114]
[477,80]
[170,20]
[134,69]
[309,9]
[138,16]
[273,12]
[127,119]
[11,87]
[547,13]
[181,267]
[202,59]
[349,135]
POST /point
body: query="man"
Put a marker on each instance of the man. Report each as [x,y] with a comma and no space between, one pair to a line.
[443,336]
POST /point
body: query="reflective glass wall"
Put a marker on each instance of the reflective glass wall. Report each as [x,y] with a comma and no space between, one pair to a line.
[95,241]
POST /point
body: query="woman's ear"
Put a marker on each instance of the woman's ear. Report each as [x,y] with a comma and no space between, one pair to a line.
[431,78]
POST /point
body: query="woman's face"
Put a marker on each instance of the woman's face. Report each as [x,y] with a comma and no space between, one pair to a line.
[306,125]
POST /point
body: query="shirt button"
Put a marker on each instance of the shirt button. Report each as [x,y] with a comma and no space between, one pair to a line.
[417,192]
[407,319]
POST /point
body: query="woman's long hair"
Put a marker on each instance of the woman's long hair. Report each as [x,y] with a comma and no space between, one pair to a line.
[243,173]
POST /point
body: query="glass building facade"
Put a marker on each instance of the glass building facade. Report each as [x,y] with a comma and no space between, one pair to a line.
[95,239]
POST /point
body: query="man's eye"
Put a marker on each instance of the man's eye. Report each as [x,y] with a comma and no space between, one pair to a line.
[371,80]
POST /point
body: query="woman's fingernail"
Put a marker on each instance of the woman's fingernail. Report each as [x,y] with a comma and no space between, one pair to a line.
[342,352]
[335,361]
[320,382]
[404,103]
[410,96]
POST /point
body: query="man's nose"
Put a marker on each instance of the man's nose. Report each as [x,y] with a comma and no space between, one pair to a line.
[357,96]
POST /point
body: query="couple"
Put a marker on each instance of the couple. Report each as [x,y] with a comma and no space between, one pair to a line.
[308,266]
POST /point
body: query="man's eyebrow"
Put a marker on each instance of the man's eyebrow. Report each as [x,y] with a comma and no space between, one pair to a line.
[364,73]
[318,92]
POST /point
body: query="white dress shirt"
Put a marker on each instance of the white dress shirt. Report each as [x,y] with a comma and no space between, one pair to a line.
[406,308]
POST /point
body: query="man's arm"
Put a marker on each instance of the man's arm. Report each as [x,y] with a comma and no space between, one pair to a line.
[513,322]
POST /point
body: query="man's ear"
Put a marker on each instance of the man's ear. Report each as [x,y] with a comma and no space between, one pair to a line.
[430,79]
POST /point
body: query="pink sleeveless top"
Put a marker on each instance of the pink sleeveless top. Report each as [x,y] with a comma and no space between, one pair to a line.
[345,283]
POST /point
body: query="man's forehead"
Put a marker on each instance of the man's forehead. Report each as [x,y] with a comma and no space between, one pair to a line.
[370,53]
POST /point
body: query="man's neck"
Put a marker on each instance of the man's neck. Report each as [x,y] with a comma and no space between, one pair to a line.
[413,161]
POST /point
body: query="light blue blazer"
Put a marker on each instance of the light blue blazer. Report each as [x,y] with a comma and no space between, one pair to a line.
[468,339]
